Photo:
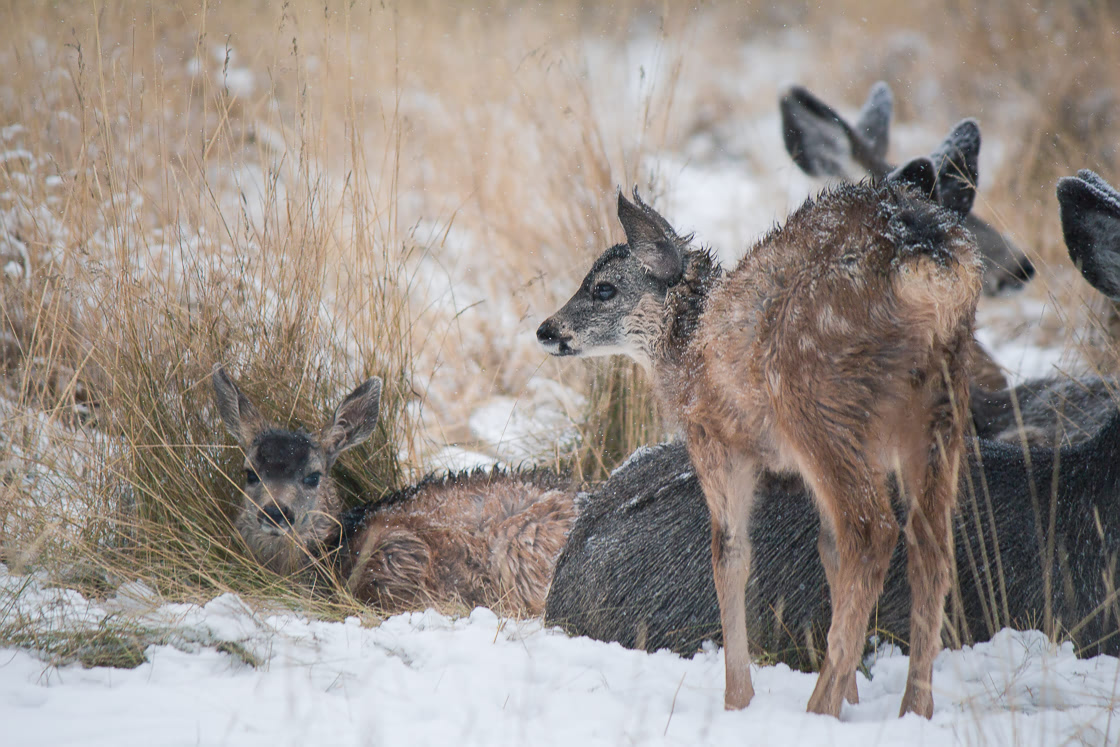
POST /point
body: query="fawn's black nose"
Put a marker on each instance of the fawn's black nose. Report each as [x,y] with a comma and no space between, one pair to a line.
[548,333]
[1026,269]
[553,340]
[281,517]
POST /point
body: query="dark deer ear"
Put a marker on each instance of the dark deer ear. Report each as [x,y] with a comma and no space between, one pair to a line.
[919,174]
[817,138]
[240,417]
[874,122]
[822,143]
[1090,210]
[956,161]
[652,240]
[354,419]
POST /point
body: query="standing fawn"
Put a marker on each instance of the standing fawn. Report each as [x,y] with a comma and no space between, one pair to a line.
[837,349]
[635,568]
[488,538]
[824,144]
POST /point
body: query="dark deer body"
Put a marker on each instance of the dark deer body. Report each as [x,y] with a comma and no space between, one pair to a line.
[637,567]
[485,538]
[1045,412]
[824,144]
[837,350]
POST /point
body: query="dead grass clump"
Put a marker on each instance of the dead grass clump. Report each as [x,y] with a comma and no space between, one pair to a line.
[170,237]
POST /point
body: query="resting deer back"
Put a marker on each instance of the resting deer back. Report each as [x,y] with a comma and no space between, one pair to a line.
[823,144]
[488,538]
[838,350]
[636,568]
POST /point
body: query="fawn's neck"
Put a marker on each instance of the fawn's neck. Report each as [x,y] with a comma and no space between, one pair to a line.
[672,363]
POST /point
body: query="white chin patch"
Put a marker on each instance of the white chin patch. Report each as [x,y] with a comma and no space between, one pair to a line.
[609,350]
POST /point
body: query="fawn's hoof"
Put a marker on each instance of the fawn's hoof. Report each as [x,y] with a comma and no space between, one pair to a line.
[917,700]
[851,694]
[827,697]
[737,699]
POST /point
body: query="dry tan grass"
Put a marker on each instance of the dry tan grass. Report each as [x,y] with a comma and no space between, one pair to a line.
[280,189]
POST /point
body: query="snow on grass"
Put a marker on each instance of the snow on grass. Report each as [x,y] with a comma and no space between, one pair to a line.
[534,426]
[227,674]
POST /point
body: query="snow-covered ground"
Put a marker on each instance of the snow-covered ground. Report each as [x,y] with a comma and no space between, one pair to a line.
[422,678]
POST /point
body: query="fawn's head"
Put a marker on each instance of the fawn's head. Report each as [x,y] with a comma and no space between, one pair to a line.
[619,307]
[290,503]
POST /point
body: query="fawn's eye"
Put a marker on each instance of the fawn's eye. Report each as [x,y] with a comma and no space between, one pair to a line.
[312,480]
[603,292]
[251,477]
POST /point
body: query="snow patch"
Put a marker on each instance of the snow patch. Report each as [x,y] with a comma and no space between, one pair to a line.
[424,678]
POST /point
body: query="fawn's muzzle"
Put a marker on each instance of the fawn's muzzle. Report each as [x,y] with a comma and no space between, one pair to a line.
[281,518]
[553,340]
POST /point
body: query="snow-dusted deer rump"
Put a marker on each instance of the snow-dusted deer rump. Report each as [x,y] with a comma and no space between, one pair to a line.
[837,349]
[485,538]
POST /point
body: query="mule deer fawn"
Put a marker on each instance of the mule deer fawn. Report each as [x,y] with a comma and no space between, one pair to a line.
[837,349]
[824,144]
[487,538]
[635,569]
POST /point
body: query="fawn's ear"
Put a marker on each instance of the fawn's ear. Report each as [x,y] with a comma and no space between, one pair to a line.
[354,419]
[240,417]
[1090,210]
[919,174]
[874,121]
[956,161]
[817,138]
[652,240]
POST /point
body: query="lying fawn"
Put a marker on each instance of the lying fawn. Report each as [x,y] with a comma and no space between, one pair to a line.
[837,349]
[488,538]
[824,144]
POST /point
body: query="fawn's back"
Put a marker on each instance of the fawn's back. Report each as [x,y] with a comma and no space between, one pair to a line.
[858,298]
[488,537]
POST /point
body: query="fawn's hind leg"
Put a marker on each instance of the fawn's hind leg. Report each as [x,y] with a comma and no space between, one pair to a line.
[728,482]
[853,500]
[826,547]
[929,553]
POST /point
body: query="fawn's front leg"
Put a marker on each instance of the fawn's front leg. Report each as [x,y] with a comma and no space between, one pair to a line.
[729,480]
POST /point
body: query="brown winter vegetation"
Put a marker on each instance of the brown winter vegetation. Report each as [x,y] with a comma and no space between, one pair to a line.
[316,193]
